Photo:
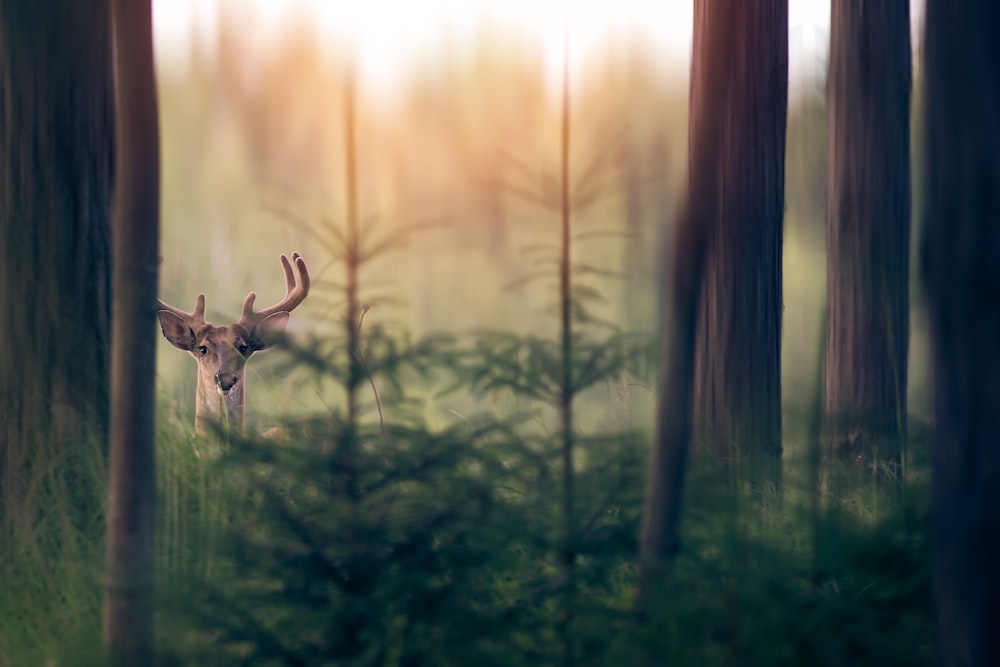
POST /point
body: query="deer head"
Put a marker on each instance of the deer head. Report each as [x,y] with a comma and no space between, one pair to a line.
[222,352]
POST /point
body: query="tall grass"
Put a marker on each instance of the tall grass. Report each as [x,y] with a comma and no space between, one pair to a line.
[50,603]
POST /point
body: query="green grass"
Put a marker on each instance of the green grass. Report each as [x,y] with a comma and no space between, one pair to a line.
[51,566]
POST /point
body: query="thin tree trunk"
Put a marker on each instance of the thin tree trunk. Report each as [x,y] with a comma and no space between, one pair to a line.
[347,446]
[352,261]
[56,163]
[714,26]
[566,389]
[868,230]
[128,599]
[737,387]
[961,274]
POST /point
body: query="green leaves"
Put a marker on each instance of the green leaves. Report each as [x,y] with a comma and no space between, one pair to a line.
[532,366]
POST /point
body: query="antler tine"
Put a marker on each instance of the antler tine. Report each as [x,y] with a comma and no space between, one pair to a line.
[197,316]
[295,291]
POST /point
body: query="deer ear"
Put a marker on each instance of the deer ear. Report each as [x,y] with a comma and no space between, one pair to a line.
[269,330]
[176,330]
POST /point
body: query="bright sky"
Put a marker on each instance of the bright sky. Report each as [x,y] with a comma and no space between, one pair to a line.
[388,35]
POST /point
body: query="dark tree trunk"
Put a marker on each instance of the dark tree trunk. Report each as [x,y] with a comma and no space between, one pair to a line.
[868,230]
[128,600]
[714,26]
[57,128]
[961,273]
[737,389]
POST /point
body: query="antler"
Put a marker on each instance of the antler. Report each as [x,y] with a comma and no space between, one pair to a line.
[194,319]
[295,292]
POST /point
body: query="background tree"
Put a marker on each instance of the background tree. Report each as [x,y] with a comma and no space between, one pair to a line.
[961,273]
[737,386]
[128,601]
[711,67]
[56,124]
[868,229]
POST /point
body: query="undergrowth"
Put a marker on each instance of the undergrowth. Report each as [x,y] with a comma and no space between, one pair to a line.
[448,556]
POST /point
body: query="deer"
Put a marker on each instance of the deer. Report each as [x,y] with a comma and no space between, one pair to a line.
[222,352]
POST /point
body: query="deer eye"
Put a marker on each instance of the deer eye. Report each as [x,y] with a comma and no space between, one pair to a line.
[202,350]
[243,348]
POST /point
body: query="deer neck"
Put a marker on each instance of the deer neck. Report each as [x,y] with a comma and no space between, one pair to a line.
[211,406]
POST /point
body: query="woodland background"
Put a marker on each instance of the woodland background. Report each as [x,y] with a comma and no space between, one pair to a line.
[447,515]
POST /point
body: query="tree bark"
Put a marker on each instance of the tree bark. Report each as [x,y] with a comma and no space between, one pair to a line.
[960,249]
[128,600]
[57,129]
[714,26]
[868,230]
[737,387]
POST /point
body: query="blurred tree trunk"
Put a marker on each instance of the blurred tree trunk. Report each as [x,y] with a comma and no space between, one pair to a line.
[57,128]
[868,230]
[128,599]
[711,67]
[737,386]
[961,273]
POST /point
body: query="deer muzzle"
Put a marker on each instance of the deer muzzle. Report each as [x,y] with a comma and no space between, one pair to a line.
[225,382]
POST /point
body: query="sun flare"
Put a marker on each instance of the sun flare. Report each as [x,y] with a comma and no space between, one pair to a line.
[387,36]
[390,37]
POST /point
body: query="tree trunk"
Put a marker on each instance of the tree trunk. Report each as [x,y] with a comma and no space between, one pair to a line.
[56,124]
[737,387]
[868,230]
[961,274]
[714,26]
[128,599]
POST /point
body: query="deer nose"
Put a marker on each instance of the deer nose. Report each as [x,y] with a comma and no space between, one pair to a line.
[225,381]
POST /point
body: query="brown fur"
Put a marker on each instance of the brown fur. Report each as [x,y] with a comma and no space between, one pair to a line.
[222,352]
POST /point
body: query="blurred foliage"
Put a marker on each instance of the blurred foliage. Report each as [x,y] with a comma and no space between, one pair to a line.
[403,543]
[392,542]
[439,550]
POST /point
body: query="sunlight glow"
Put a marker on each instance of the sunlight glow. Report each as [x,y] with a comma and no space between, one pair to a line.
[388,36]
[391,37]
